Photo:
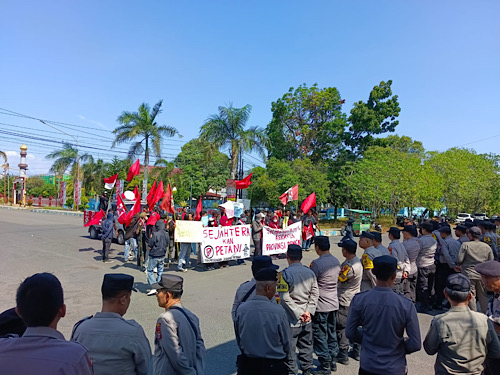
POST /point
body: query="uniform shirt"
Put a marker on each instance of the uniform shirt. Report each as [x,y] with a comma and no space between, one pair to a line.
[493,312]
[449,251]
[493,241]
[368,280]
[461,338]
[116,345]
[470,254]
[463,239]
[302,294]
[428,247]
[384,316]
[412,247]
[179,349]
[327,269]
[43,351]
[351,272]
[383,250]
[398,251]
[262,329]
[241,292]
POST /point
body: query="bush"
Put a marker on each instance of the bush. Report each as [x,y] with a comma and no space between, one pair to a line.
[30,202]
[385,221]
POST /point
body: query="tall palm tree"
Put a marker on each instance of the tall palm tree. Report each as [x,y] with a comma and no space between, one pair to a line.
[227,128]
[141,128]
[66,158]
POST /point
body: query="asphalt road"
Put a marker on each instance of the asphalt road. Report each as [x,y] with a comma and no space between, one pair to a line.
[36,242]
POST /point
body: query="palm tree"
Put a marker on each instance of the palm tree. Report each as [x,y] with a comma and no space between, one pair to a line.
[141,125]
[227,128]
[93,174]
[163,169]
[68,158]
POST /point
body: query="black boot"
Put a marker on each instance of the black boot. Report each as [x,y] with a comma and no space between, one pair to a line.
[354,353]
[323,369]
[343,357]
[333,366]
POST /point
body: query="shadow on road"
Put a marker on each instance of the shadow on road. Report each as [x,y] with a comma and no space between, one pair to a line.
[221,359]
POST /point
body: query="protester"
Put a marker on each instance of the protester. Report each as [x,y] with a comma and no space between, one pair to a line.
[131,233]
[471,254]
[383,316]
[351,273]
[116,345]
[257,228]
[298,291]
[262,330]
[327,269]
[462,338]
[426,267]
[179,347]
[412,247]
[158,245]
[185,252]
[172,253]
[108,227]
[42,349]
[275,222]
[225,221]
[103,201]
[308,222]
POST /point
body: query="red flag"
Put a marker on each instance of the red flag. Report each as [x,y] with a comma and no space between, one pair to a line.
[151,194]
[121,209]
[153,218]
[95,219]
[309,232]
[109,183]
[291,194]
[245,183]
[309,202]
[168,201]
[158,195]
[134,170]
[136,193]
[135,210]
[198,210]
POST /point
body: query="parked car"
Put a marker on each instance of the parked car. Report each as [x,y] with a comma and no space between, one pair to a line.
[480,216]
[462,217]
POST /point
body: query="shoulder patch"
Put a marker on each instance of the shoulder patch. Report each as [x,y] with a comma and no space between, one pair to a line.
[343,273]
[158,331]
[282,286]
[367,262]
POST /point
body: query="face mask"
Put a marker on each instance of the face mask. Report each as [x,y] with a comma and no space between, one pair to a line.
[275,220]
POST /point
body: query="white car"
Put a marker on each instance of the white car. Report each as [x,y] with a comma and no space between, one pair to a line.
[480,216]
[461,217]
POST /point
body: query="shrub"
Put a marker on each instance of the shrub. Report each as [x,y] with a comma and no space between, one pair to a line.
[30,202]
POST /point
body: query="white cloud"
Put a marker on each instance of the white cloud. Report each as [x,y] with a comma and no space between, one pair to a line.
[81,117]
[12,153]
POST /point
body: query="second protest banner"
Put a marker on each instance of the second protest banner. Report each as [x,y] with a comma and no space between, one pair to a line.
[225,243]
[276,241]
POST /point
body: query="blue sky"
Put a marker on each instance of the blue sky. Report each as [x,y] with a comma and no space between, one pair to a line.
[85,62]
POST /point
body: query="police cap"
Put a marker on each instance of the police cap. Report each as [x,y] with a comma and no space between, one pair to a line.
[11,323]
[368,235]
[461,228]
[445,229]
[116,282]
[322,242]
[263,261]
[384,266]
[294,250]
[267,274]
[468,223]
[394,231]
[349,245]
[458,283]
[171,283]
[412,229]
[491,268]
[377,236]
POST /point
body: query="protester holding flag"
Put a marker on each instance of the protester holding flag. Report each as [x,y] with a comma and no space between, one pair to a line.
[308,224]
[257,228]
[103,201]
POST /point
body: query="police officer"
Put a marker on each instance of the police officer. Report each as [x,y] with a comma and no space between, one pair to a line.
[370,253]
[116,345]
[326,268]
[426,266]
[490,275]
[42,349]
[398,251]
[179,347]
[247,289]
[491,238]
[351,272]
[384,317]
[412,248]
[262,330]
[461,233]
[377,243]
[298,291]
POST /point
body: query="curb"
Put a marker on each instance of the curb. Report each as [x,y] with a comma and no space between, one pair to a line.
[42,211]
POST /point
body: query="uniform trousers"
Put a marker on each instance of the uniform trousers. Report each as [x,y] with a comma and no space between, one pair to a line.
[106,245]
[425,281]
[301,338]
[492,366]
[409,287]
[325,336]
[260,366]
[442,273]
[343,341]
[478,295]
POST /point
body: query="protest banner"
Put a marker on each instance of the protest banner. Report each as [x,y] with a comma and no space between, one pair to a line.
[276,241]
[188,231]
[225,243]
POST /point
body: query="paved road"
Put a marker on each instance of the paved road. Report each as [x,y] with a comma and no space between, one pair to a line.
[35,242]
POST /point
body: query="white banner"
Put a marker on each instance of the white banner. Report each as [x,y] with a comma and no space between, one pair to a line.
[188,231]
[225,243]
[276,241]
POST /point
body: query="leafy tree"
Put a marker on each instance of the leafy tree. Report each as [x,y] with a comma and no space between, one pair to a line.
[94,173]
[404,144]
[37,187]
[227,128]
[120,166]
[66,158]
[163,170]
[142,129]
[307,123]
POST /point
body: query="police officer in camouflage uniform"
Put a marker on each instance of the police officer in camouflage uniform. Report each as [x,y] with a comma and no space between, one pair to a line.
[298,290]
[116,345]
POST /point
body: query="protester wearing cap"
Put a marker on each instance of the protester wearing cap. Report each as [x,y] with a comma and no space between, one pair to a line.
[370,253]
[326,268]
[349,284]
[412,247]
[463,339]
[308,221]
[247,289]
[377,243]
[491,238]
[42,350]
[471,254]
[179,347]
[461,233]
[262,330]
[398,251]
[116,345]
[384,316]
[257,227]
[299,293]
[445,264]
[426,267]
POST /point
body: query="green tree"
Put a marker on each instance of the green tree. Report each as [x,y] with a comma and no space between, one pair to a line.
[227,128]
[404,144]
[142,129]
[93,174]
[307,123]
[66,158]
[37,187]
